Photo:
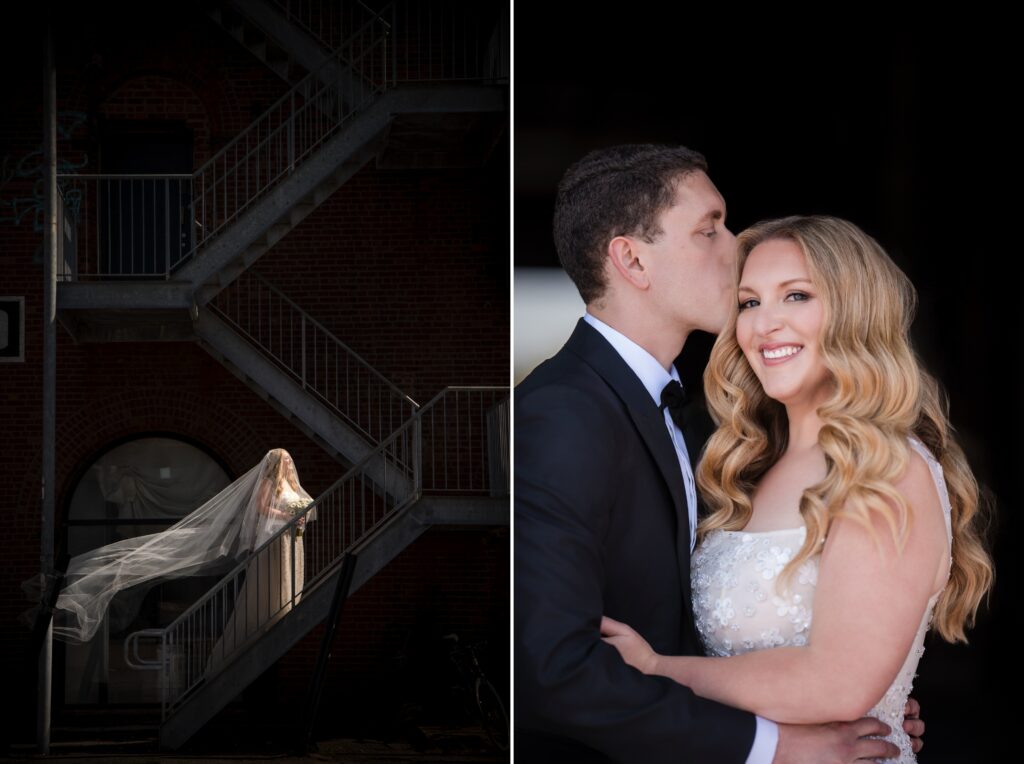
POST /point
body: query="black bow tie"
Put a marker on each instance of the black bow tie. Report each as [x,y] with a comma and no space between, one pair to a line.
[675,399]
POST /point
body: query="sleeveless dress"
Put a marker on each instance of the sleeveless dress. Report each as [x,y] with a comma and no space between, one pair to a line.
[738,607]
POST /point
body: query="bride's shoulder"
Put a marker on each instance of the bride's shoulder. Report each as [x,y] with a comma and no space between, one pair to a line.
[923,488]
[917,483]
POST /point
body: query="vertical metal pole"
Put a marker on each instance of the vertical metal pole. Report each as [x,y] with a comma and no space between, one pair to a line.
[49,374]
[167,223]
[417,454]
[291,134]
[341,591]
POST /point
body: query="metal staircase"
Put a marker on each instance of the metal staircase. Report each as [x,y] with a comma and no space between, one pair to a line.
[455,454]
[206,228]
[167,258]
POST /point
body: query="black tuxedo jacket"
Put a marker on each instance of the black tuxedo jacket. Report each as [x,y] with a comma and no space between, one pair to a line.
[601,527]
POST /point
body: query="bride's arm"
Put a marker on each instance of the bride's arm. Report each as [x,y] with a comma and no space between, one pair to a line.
[264,500]
[867,608]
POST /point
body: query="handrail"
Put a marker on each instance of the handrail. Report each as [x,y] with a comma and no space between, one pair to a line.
[132,659]
[124,175]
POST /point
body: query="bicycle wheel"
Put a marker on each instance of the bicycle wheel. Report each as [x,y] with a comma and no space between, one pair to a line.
[492,714]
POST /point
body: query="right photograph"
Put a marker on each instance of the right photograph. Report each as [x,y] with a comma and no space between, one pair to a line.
[764,416]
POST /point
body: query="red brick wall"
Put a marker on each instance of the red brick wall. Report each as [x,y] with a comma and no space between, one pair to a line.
[417,288]
[410,268]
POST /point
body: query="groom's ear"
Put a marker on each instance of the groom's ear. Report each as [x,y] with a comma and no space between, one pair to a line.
[624,257]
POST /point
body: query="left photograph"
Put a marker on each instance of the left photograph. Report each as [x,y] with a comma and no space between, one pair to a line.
[254,369]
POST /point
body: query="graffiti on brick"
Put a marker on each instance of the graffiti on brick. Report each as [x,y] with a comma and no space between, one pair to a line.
[16,209]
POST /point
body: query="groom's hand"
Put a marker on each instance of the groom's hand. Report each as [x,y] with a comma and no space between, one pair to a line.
[913,724]
[835,743]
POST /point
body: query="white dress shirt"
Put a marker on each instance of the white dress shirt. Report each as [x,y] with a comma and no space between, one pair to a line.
[654,377]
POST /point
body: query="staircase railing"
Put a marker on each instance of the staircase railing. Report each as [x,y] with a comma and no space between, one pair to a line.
[444,40]
[329,23]
[270,581]
[433,39]
[313,356]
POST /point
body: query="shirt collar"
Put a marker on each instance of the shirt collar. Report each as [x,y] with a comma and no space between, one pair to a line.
[652,374]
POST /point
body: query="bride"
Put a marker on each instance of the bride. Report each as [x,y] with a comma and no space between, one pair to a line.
[274,577]
[209,541]
[835,489]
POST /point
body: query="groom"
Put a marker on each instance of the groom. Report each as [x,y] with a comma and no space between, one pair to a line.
[605,501]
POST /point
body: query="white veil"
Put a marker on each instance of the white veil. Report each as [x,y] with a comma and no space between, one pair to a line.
[210,540]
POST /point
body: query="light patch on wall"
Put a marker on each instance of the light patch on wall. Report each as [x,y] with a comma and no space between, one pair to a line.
[12,329]
[547,307]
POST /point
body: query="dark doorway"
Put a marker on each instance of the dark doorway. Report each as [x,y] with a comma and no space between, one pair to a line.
[144,218]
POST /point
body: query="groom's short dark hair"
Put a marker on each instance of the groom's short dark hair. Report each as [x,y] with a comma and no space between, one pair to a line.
[612,192]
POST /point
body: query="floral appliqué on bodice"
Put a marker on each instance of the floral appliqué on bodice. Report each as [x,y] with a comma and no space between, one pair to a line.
[738,607]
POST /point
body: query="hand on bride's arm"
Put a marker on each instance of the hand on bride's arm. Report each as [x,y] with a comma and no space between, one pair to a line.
[266,505]
[913,724]
[631,646]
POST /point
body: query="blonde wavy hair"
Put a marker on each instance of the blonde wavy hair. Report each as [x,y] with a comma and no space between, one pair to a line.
[881,394]
[278,472]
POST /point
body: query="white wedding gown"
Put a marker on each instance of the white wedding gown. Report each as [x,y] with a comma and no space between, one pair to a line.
[738,607]
[266,592]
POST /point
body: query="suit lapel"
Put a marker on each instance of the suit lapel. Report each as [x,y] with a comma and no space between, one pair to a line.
[588,343]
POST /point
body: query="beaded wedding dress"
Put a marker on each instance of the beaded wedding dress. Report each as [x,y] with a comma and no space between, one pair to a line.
[738,607]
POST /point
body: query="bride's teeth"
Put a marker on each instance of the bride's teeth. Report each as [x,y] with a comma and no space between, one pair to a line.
[781,352]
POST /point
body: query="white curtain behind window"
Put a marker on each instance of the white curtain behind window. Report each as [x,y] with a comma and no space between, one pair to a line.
[155,478]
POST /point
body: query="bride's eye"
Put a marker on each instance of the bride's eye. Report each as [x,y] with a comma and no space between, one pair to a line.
[751,303]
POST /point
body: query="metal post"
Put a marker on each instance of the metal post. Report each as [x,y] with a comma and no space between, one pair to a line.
[341,591]
[49,373]
[417,453]
[291,134]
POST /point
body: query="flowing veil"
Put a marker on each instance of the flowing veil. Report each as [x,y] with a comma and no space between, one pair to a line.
[211,539]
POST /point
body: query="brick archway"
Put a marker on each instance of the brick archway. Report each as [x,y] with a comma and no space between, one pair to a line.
[194,417]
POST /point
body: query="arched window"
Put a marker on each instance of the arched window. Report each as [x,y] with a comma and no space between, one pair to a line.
[136,487]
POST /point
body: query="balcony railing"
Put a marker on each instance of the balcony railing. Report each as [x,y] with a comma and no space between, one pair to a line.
[128,226]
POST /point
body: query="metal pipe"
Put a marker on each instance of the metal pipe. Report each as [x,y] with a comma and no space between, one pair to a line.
[49,373]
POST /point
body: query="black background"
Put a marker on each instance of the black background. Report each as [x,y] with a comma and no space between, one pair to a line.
[903,128]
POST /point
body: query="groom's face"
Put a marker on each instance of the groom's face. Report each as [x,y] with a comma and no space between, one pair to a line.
[692,263]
